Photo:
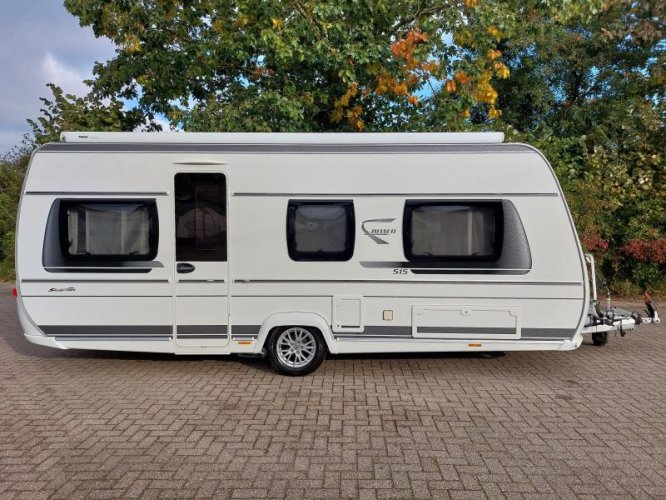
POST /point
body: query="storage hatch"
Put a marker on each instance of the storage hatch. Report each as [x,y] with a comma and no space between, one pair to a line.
[466,322]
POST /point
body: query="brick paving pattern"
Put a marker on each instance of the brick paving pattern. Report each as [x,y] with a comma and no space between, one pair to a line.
[588,423]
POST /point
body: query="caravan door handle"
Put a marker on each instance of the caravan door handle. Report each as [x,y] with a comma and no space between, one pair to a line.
[184,267]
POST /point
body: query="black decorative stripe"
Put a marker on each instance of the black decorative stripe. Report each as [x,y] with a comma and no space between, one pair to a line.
[285,148]
[106,330]
[201,330]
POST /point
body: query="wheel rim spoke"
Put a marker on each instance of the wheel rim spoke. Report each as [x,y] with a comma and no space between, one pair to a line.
[296,347]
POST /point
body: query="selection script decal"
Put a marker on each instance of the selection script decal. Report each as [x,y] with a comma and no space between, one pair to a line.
[375,232]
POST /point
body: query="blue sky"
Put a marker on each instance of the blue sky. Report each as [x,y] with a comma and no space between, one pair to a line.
[40,42]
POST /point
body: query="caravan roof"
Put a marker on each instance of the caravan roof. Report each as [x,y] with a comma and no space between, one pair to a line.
[285,138]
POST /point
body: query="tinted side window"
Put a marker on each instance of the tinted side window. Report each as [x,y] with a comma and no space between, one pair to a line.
[453,231]
[108,230]
[201,217]
[320,230]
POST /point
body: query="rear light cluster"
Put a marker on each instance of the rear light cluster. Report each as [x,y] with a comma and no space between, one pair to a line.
[15,292]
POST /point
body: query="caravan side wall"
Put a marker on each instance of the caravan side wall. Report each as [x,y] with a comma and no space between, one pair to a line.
[514,280]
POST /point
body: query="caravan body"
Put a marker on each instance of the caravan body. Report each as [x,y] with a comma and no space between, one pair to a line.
[211,243]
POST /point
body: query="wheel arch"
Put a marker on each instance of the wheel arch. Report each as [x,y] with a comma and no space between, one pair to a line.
[283,319]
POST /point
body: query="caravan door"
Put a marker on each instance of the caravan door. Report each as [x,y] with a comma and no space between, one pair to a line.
[201,290]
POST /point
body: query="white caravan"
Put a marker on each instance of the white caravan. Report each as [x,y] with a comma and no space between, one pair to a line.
[297,245]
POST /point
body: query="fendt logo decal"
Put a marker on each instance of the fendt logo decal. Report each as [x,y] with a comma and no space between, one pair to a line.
[68,289]
[369,228]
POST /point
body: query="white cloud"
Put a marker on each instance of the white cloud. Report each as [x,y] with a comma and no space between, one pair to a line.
[68,78]
[41,42]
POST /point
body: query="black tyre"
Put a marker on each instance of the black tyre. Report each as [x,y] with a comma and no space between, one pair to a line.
[600,338]
[296,350]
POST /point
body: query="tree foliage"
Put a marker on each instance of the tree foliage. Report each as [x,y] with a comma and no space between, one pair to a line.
[592,94]
[269,65]
[60,113]
[12,170]
[584,81]
[68,112]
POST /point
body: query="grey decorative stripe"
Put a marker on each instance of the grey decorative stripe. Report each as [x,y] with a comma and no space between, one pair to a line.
[97,338]
[201,330]
[181,295]
[412,282]
[405,332]
[245,330]
[503,272]
[103,296]
[106,330]
[387,330]
[412,195]
[187,337]
[412,340]
[400,296]
[91,269]
[285,148]
[456,329]
[550,333]
[98,193]
[199,281]
[435,268]
[84,266]
[478,266]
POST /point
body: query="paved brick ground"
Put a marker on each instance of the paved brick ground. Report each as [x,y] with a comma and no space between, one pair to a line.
[589,423]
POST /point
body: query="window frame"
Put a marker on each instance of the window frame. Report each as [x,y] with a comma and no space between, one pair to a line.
[63,230]
[350,236]
[498,242]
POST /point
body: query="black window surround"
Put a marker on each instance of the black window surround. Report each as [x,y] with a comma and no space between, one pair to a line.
[511,247]
[58,257]
[341,255]
[201,217]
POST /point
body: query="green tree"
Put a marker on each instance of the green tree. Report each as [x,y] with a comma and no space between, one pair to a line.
[583,80]
[60,113]
[591,93]
[12,170]
[269,65]
[65,112]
